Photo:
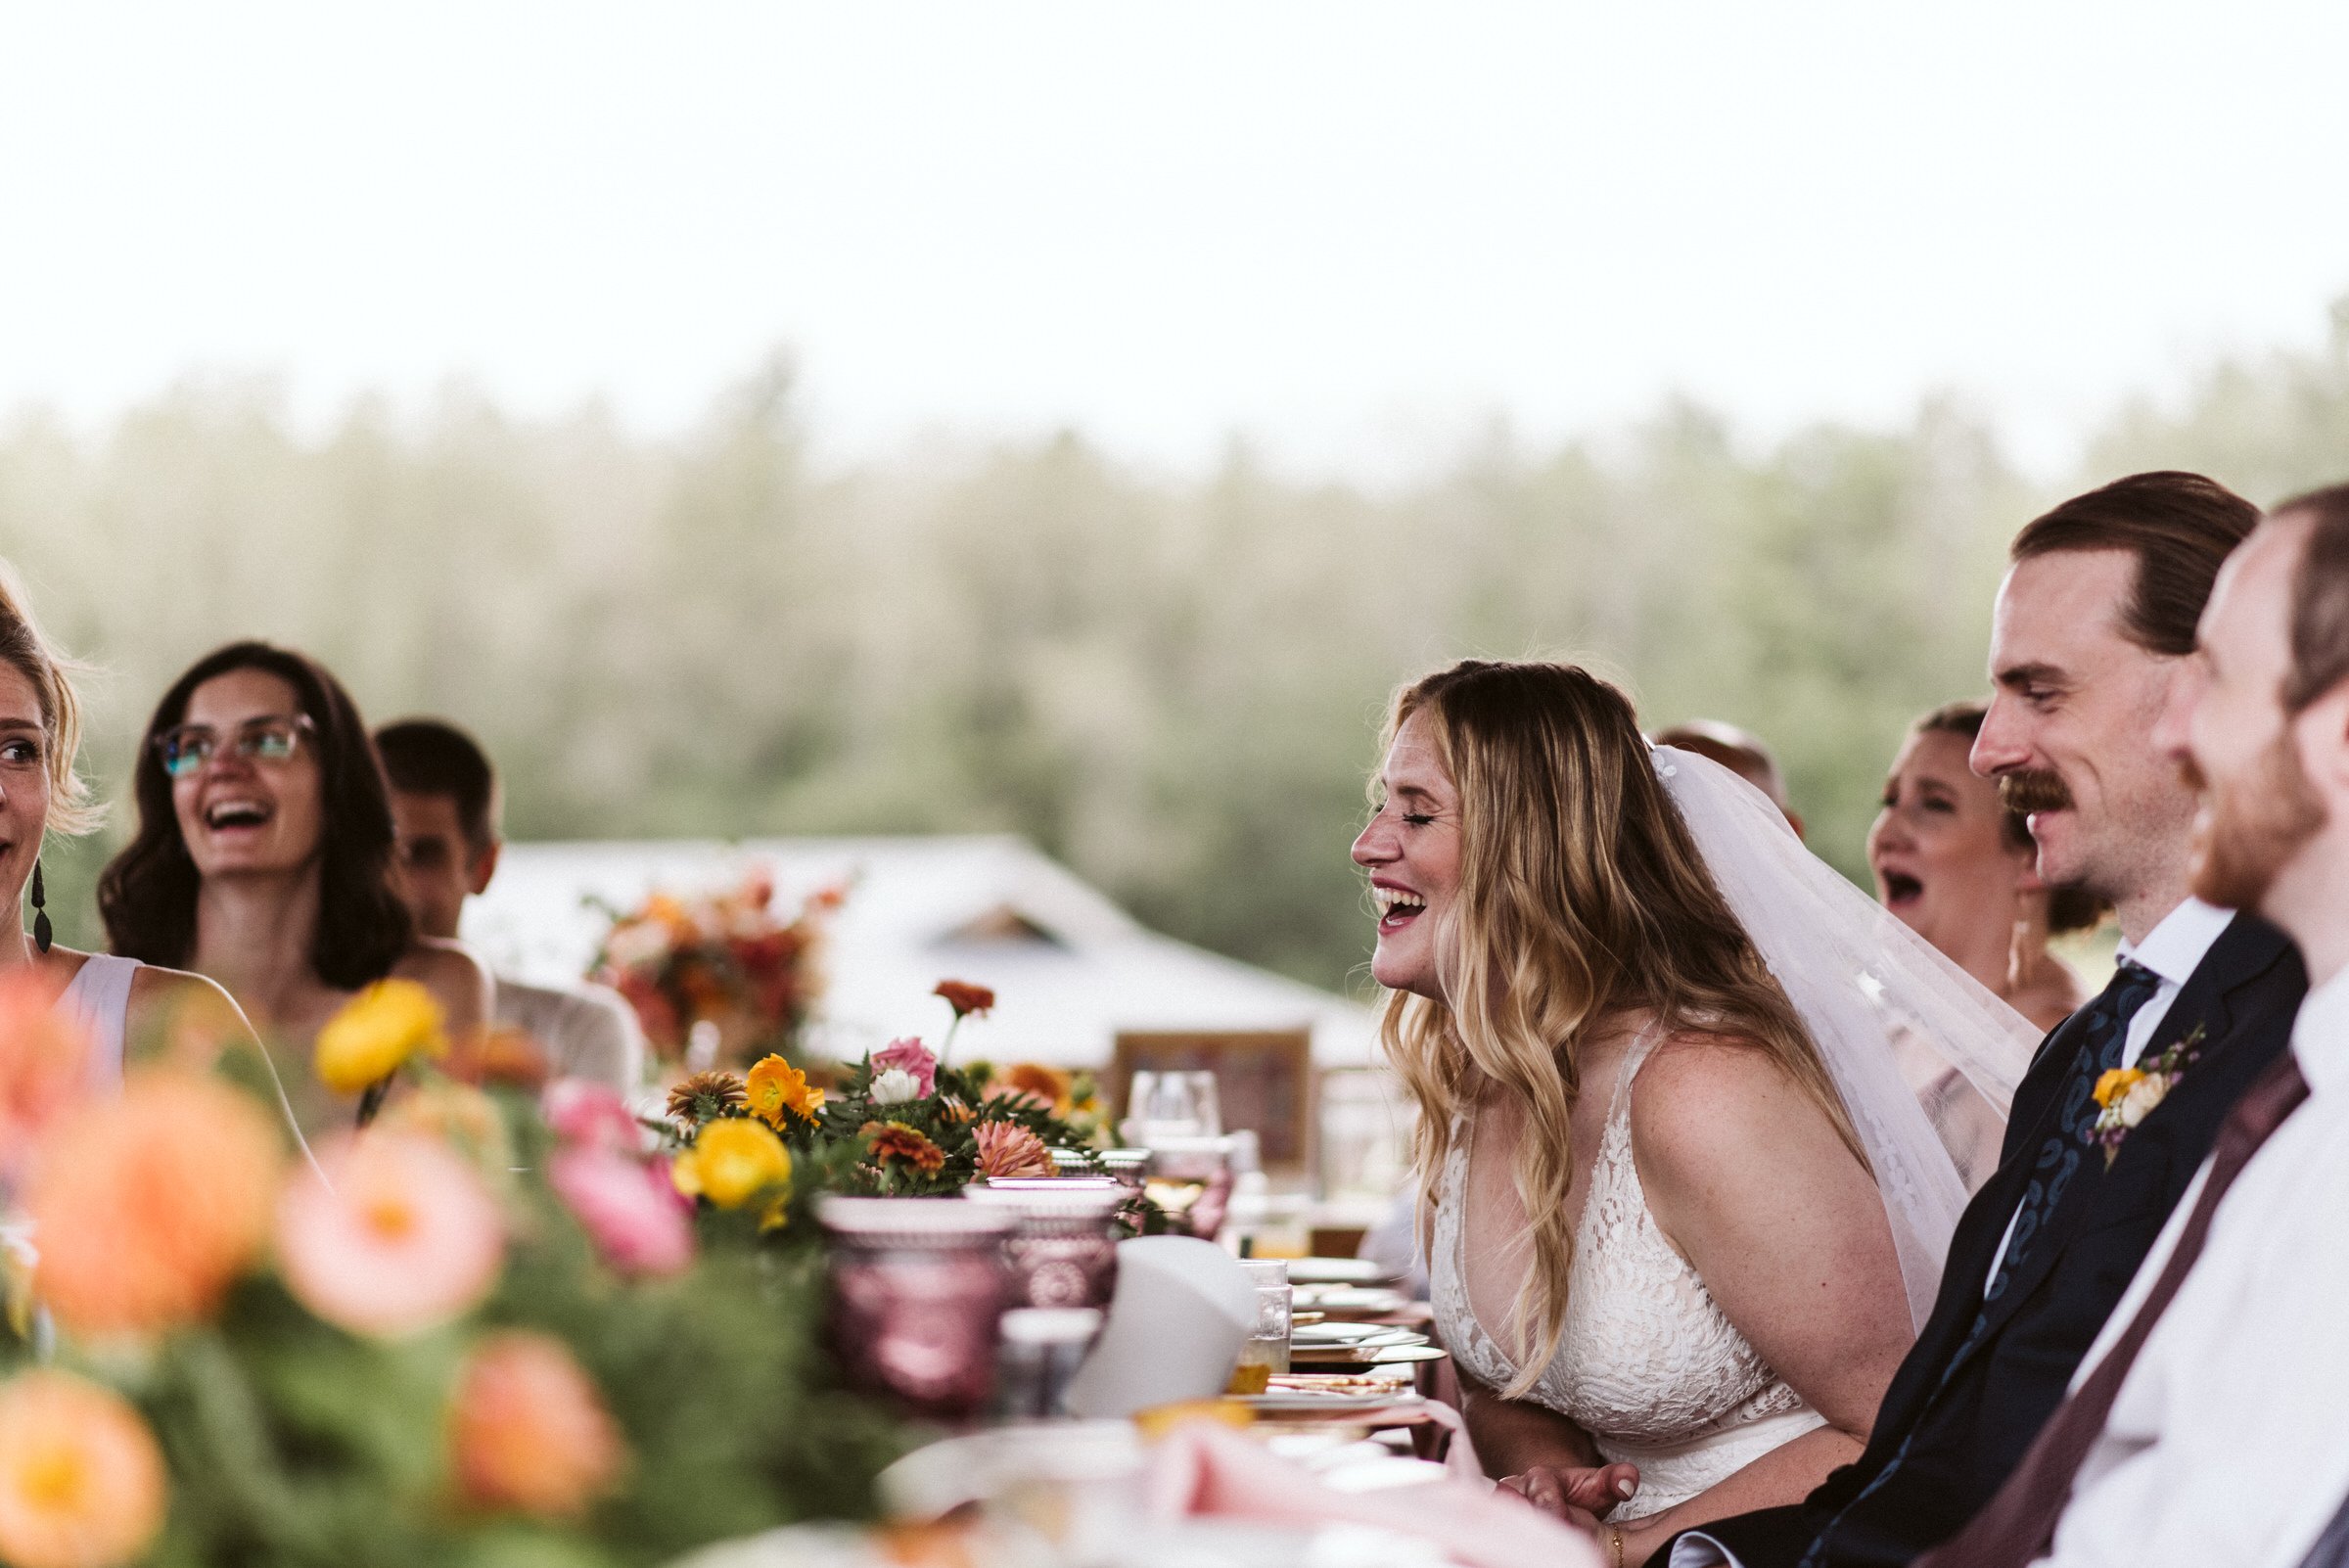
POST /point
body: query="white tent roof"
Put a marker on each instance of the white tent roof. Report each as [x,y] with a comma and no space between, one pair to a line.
[1070,969]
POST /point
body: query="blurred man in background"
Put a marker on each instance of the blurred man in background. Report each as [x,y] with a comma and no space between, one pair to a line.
[446,803]
[1740,751]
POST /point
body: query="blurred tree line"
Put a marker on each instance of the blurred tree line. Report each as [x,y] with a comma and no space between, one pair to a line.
[1172,683]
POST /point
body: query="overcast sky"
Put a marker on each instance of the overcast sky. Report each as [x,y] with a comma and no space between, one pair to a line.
[1353,231]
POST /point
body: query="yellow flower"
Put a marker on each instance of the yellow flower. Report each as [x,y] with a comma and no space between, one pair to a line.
[777,1088]
[2116,1083]
[377,1032]
[732,1162]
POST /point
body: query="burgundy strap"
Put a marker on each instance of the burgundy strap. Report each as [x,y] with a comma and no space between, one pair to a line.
[2017,1524]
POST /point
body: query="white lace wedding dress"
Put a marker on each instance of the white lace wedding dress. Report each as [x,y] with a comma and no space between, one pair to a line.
[1647,1364]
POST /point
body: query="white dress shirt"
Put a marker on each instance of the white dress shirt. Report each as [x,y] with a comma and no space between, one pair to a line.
[2173,950]
[2229,1443]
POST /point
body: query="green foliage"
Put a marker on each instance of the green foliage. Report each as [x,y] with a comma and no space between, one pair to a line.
[1172,684]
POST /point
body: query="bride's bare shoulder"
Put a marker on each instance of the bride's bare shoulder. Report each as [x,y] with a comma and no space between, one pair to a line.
[1700,1098]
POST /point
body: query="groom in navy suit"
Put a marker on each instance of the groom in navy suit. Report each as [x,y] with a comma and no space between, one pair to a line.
[2091,627]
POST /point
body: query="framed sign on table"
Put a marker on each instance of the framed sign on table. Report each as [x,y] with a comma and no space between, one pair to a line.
[1264,1081]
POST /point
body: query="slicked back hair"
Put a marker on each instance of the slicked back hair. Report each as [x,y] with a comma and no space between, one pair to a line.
[2180,527]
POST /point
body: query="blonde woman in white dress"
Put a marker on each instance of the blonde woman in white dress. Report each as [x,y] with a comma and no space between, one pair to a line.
[1683,1216]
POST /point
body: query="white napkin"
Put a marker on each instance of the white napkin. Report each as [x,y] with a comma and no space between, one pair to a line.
[1182,1308]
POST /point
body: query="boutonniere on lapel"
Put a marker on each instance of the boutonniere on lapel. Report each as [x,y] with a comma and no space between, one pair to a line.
[2128,1094]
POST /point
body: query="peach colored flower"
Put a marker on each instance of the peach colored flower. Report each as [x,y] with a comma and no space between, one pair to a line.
[909,1055]
[779,1091]
[43,1059]
[585,1113]
[634,1212]
[528,1430]
[1046,1087]
[81,1480]
[147,1206]
[403,1235]
[894,1140]
[1008,1149]
[503,1054]
[965,999]
[459,1116]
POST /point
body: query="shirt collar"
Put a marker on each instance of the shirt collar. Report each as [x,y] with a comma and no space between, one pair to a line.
[2174,949]
[2321,1035]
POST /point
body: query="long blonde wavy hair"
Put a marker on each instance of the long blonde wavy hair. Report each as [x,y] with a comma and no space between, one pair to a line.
[1581,897]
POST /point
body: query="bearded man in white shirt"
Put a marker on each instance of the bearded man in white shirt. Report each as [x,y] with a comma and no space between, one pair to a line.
[2209,1425]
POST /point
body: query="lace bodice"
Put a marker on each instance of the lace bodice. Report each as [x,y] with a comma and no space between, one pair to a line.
[1647,1362]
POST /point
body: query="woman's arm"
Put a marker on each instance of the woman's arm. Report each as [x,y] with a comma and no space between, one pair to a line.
[1513,1436]
[1746,1177]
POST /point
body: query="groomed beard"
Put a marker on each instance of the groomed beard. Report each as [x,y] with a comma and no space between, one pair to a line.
[2033,789]
[2253,828]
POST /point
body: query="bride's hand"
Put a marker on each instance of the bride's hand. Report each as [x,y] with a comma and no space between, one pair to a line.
[1591,1492]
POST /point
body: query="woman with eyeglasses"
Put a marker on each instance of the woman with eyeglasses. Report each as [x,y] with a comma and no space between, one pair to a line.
[263,858]
[122,1006]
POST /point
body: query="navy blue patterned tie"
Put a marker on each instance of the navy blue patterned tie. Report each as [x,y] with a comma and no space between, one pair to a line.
[2103,1039]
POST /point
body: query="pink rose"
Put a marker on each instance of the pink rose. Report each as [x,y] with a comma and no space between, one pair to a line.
[634,1214]
[909,1055]
[585,1114]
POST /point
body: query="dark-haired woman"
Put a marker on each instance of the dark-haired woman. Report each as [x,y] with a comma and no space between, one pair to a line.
[1961,871]
[263,858]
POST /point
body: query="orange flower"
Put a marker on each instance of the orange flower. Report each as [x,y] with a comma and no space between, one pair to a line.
[403,1236]
[1007,1149]
[503,1054]
[964,997]
[1047,1087]
[42,1057]
[778,1090]
[528,1430]
[147,1206]
[81,1480]
[895,1141]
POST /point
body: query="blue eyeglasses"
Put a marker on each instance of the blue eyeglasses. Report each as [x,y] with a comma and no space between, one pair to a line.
[270,739]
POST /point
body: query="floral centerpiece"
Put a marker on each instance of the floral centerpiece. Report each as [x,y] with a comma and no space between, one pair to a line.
[903,1122]
[722,967]
[485,1328]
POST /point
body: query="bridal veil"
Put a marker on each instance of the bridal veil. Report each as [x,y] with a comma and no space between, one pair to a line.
[1924,1058]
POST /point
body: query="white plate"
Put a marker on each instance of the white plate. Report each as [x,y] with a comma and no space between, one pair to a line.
[1337,1272]
[1286,1402]
[1326,1334]
[1371,1302]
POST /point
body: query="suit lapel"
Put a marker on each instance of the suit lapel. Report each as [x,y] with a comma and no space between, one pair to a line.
[2201,1003]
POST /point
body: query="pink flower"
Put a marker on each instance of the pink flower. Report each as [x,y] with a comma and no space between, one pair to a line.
[638,1220]
[585,1114]
[909,1055]
[401,1237]
[1007,1149]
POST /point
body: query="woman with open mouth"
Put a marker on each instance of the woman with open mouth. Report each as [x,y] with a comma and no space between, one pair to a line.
[1961,871]
[263,859]
[122,1006]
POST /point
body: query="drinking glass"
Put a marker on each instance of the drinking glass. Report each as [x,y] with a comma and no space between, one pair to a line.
[1267,1342]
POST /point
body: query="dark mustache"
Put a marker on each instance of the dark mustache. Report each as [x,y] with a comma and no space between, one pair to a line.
[2033,789]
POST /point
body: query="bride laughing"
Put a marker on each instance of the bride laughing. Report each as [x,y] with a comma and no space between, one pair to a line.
[1684,1215]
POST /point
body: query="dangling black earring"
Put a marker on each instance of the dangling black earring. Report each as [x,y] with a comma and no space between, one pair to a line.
[41,935]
